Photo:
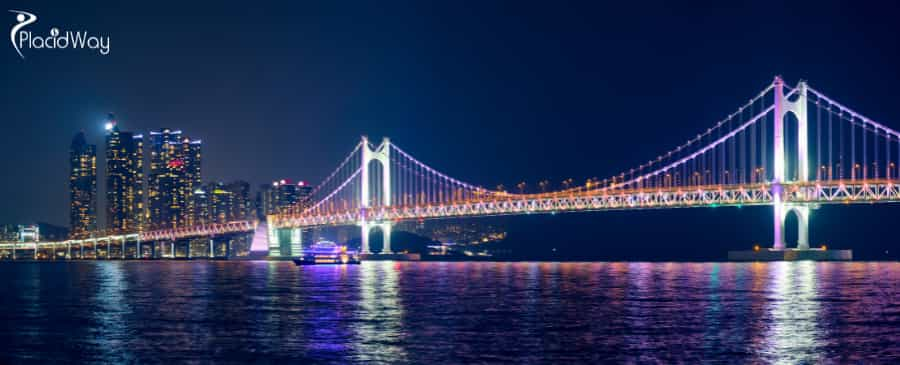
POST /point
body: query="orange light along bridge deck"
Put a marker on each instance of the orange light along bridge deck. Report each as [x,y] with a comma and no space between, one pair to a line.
[213,241]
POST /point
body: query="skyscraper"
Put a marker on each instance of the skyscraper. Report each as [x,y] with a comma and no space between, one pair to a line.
[241,206]
[219,202]
[175,175]
[82,187]
[190,179]
[280,196]
[124,179]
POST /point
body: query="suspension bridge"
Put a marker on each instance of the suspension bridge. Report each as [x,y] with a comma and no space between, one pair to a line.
[792,148]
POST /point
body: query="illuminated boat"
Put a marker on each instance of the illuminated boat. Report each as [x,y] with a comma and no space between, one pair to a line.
[325,253]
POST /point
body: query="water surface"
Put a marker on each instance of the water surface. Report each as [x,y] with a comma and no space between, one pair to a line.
[428,312]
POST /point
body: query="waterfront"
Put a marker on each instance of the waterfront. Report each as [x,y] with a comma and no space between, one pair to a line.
[433,312]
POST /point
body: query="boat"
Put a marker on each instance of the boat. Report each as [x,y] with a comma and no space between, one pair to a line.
[327,253]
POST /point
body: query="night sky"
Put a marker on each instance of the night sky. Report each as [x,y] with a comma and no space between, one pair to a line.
[487,92]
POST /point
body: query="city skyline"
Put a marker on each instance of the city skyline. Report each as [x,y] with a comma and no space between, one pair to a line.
[546,98]
[450,182]
[173,174]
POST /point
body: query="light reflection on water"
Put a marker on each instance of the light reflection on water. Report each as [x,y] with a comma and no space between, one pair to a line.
[379,325]
[794,334]
[111,313]
[403,312]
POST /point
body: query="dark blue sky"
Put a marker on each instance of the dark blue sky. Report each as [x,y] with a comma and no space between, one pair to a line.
[489,92]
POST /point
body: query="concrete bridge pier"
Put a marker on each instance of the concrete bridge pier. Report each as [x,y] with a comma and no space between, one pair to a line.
[365,239]
[803,215]
[386,234]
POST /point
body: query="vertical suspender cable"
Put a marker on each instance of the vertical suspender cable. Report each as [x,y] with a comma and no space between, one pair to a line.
[841,146]
[875,154]
[740,156]
[818,140]
[852,149]
[753,177]
[732,157]
[887,155]
[764,146]
[865,164]
[830,145]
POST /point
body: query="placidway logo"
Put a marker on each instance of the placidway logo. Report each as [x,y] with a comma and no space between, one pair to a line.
[56,40]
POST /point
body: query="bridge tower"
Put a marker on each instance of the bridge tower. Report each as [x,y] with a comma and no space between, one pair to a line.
[798,108]
[382,154]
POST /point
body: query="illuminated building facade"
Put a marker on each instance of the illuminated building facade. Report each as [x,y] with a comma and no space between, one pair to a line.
[175,174]
[221,203]
[241,207]
[9,233]
[201,206]
[82,187]
[191,179]
[280,196]
[29,233]
[125,210]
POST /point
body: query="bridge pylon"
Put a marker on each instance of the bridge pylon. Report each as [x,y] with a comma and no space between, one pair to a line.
[382,154]
[797,107]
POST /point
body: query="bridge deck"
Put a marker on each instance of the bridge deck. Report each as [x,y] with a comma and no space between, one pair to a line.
[820,192]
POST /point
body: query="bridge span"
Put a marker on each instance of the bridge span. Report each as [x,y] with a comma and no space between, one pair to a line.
[203,241]
[791,148]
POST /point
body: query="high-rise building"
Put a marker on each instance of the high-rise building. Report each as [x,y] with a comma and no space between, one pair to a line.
[201,206]
[262,201]
[280,196]
[221,203]
[82,187]
[241,205]
[175,175]
[191,179]
[162,199]
[124,179]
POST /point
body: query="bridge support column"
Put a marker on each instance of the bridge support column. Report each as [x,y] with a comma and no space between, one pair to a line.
[803,214]
[365,239]
[296,242]
[386,232]
[779,223]
[803,227]
[274,240]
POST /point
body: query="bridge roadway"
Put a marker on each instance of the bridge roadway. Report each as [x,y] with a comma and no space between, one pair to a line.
[799,193]
[101,247]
